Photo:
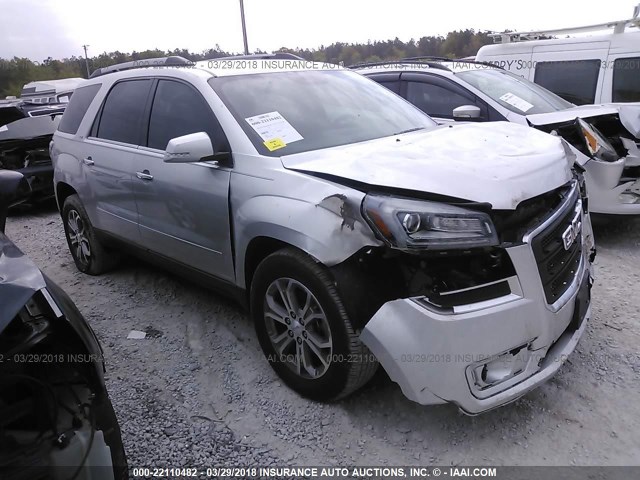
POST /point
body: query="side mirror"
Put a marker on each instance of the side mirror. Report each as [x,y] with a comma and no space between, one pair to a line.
[14,189]
[466,112]
[195,147]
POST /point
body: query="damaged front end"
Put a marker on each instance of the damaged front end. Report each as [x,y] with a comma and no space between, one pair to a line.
[480,324]
[24,147]
[610,155]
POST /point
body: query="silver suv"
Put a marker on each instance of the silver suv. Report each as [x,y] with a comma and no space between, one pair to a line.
[356,229]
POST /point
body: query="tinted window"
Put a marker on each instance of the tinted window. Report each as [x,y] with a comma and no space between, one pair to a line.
[77,107]
[178,110]
[394,86]
[575,80]
[626,80]
[121,118]
[435,100]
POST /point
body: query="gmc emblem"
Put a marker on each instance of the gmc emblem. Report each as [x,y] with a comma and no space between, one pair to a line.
[572,232]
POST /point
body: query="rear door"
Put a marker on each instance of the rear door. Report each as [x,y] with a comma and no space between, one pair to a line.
[108,159]
[183,207]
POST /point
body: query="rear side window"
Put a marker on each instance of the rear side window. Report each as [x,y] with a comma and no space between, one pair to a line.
[435,100]
[78,106]
[574,80]
[178,110]
[122,112]
[626,80]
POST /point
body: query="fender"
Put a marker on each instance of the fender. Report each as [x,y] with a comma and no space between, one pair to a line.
[327,224]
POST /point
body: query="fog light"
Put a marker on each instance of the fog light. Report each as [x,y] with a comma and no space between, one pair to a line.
[501,368]
[629,198]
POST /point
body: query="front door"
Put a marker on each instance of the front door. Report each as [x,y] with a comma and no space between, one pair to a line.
[183,208]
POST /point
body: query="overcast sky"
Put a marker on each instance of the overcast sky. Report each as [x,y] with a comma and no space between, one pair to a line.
[38,29]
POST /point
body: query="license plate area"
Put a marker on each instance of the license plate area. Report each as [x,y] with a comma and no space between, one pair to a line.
[583,299]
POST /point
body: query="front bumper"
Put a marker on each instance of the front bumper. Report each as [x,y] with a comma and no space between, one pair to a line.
[484,355]
[609,192]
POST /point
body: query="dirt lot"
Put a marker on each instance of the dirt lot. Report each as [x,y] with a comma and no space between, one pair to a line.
[198,390]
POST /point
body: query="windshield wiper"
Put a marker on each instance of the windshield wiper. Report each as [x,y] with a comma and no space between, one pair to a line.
[409,130]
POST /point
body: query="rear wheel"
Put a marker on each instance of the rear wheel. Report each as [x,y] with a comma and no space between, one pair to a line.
[88,253]
[304,330]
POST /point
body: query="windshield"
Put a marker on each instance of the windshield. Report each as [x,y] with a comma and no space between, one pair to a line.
[292,112]
[513,92]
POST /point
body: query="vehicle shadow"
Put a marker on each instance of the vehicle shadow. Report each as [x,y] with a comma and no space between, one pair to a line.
[380,408]
[38,208]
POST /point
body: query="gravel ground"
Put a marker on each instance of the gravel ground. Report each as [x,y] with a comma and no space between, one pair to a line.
[198,390]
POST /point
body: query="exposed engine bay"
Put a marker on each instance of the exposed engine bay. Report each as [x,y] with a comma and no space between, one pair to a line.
[24,147]
[614,159]
[450,278]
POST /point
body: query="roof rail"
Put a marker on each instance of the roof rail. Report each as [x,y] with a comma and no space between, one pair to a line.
[444,59]
[403,61]
[619,26]
[431,61]
[266,56]
[173,61]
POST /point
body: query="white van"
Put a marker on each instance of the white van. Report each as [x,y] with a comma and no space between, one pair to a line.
[582,70]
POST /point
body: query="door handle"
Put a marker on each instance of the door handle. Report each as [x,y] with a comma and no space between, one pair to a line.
[88,161]
[144,175]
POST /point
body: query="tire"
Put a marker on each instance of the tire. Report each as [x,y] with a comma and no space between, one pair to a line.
[92,258]
[322,331]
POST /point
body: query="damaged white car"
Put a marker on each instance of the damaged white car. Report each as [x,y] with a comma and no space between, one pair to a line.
[357,229]
[604,139]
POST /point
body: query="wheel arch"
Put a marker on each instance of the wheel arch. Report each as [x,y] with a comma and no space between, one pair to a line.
[63,191]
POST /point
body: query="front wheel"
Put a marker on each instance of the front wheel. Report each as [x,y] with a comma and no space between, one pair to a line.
[304,330]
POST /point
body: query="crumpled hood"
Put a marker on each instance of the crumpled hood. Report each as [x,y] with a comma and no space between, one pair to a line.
[499,162]
[570,114]
[19,280]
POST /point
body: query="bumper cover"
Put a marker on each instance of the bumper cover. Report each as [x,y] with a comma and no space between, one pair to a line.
[606,188]
[438,357]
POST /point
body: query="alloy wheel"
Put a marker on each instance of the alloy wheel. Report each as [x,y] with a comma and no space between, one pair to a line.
[298,328]
[78,237]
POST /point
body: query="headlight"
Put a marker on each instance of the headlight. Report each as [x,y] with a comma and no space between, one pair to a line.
[405,223]
[598,146]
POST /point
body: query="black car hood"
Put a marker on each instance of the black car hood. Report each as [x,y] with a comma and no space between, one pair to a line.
[19,280]
[28,128]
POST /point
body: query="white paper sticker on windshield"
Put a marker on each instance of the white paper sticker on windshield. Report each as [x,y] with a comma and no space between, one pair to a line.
[517,102]
[272,125]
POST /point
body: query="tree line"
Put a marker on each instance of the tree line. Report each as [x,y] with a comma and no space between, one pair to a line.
[15,72]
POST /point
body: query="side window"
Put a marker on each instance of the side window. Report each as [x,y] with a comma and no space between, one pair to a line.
[178,109]
[122,112]
[574,80]
[435,100]
[78,106]
[394,86]
[626,80]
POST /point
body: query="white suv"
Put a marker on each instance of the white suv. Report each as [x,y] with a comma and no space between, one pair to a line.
[357,229]
[469,91]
